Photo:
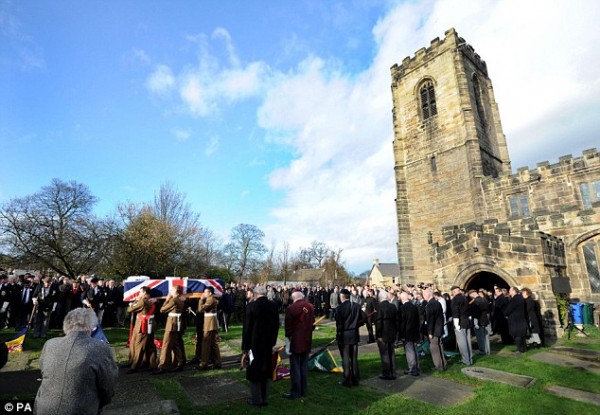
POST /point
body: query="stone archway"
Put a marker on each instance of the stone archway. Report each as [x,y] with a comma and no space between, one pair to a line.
[480,275]
[486,280]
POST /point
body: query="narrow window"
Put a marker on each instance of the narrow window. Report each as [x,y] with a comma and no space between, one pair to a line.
[428,106]
[519,205]
[478,102]
[585,195]
[433,165]
[591,264]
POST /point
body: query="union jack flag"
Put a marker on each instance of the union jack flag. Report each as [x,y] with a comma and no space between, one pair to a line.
[160,288]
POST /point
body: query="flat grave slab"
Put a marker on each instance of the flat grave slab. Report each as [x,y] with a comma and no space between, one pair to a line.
[493,375]
[211,390]
[575,394]
[435,391]
[566,361]
[583,354]
[149,408]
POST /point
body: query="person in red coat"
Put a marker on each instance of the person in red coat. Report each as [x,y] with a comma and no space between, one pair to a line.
[299,320]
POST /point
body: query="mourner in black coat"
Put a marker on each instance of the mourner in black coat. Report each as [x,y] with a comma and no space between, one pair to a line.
[410,332]
[348,318]
[434,328]
[261,326]
[499,323]
[515,312]
[386,326]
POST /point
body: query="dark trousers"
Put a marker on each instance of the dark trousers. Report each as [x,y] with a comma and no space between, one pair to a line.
[437,353]
[349,354]
[370,329]
[259,391]
[520,343]
[299,373]
[388,359]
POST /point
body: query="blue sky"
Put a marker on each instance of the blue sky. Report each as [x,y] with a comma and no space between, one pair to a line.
[274,113]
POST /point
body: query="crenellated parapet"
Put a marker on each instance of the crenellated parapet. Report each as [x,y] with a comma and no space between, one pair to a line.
[565,168]
[451,41]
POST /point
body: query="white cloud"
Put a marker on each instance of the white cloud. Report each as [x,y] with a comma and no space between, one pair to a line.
[212,146]
[340,188]
[161,81]
[19,48]
[181,134]
[209,85]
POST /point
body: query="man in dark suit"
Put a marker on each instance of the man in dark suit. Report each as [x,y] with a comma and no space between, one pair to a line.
[299,319]
[348,318]
[462,324]
[517,321]
[370,304]
[45,296]
[386,326]
[434,328]
[261,326]
[410,332]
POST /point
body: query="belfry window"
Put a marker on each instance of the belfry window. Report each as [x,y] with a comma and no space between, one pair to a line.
[428,106]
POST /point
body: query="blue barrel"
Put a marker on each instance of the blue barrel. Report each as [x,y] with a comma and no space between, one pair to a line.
[577,312]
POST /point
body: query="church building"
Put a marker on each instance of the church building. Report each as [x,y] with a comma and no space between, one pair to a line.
[464,218]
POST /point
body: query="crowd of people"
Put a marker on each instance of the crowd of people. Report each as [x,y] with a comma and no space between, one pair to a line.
[45,301]
[411,316]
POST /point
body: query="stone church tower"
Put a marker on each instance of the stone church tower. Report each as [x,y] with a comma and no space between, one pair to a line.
[447,137]
[464,218]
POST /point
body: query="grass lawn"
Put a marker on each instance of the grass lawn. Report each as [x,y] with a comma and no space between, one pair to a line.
[326,396]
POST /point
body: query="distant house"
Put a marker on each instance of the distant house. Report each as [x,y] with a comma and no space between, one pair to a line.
[310,276]
[384,273]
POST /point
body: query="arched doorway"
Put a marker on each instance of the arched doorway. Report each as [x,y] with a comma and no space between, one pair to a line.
[485,280]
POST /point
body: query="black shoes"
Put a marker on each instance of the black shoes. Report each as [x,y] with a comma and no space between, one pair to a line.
[408,372]
[387,377]
[158,372]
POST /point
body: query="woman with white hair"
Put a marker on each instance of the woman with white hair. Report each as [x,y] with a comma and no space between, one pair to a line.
[78,372]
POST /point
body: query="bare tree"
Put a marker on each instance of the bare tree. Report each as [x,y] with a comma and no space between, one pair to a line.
[163,238]
[55,228]
[283,261]
[248,248]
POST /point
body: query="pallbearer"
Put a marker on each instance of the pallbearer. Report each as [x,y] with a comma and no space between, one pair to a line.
[172,352]
[142,348]
[210,349]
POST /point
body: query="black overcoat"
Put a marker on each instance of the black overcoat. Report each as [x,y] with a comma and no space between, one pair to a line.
[410,325]
[434,318]
[515,312]
[385,321]
[261,326]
